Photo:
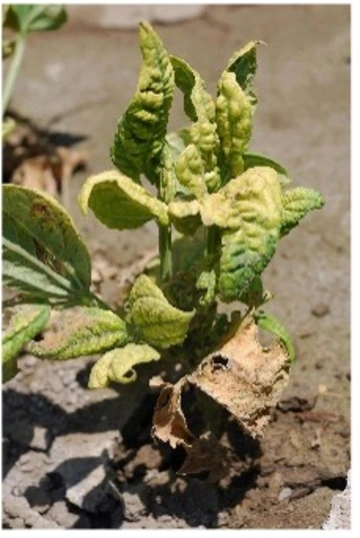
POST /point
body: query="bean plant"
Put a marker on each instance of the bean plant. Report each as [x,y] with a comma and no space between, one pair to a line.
[221,211]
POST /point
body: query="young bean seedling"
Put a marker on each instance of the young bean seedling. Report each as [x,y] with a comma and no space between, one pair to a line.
[221,211]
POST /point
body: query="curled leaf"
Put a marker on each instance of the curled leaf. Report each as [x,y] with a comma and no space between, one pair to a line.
[271,324]
[38,224]
[243,64]
[185,216]
[120,203]
[200,108]
[190,171]
[141,131]
[245,378]
[234,120]
[118,365]
[158,322]
[249,208]
[26,322]
[297,203]
[81,331]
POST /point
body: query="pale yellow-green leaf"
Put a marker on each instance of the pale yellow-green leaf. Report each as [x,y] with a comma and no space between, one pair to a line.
[234,121]
[81,331]
[25,323]
[118,365]
[120,203]
[185,216]
[157,322]
[243,64]
[190,171]
[255,218]
[200,108]
[141,131]
[297,203]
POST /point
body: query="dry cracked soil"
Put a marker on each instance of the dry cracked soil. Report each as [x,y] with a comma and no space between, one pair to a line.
[75,458]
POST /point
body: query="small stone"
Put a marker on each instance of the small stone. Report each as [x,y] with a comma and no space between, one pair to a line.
[284,494]
[39,440]
[320,310]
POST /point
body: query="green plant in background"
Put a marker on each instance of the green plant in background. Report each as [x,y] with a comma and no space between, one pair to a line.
[22,20]
[221,211]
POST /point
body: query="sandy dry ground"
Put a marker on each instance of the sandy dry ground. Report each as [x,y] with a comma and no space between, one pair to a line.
[75,458]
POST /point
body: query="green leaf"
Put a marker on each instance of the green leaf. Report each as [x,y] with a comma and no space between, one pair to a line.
[254,159]
[158,322]
[120,203]
[243,64]
[8,127]
[141,131]
[271,324]
[200,108]
[190,171]
[297,203]
[234,120]
[185,216]
[118,365]
[82,331]
[255,216]
[206,284]
[178,141]
[27,18]
[254,295]
[26,322]
[36,223]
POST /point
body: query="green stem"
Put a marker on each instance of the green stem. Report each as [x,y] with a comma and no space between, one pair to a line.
[13,70]
[165,252]
[212,241]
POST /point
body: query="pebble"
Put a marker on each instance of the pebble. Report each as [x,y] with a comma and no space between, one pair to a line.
[320,310]
[284,494]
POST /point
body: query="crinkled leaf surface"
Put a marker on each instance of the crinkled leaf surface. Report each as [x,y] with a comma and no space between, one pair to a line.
[269,323]
[36,223]
[120,203]
[249,210]
[255,159]
[297,203]
[243,64]
[141,131]
[81,331]
[25,323]
[118,365]
[234,120]
[185,216]
[158,322]
[190,171]
[245,378]
[200,108]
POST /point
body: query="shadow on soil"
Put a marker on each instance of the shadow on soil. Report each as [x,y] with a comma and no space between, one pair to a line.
[191,498]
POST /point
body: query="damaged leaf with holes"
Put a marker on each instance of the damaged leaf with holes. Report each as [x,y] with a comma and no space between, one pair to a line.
[220,208]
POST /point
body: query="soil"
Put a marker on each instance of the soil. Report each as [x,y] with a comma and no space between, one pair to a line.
[75,458]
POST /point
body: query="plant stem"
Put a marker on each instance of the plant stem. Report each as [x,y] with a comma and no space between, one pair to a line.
[212,241]
[13,70]
[165,252]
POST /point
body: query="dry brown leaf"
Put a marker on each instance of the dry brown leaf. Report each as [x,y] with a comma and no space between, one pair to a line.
[244,377]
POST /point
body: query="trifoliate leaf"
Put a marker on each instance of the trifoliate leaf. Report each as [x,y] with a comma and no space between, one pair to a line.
[158,322]
[26,322]
[120,203]
[271,324]
[251,205]
[185,216]
[36,223]
[118,365]
[234,120]
[141,131]
[190,171]
[297,203]
[81,331]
